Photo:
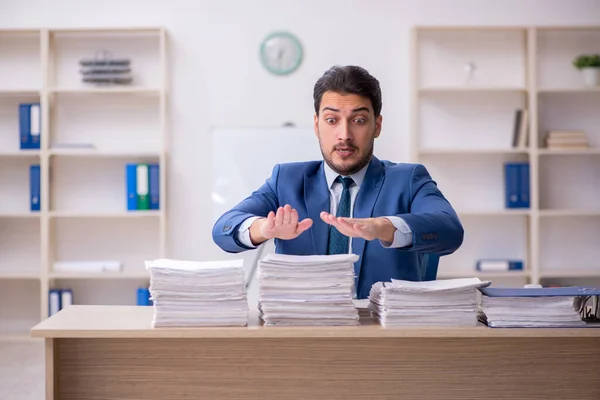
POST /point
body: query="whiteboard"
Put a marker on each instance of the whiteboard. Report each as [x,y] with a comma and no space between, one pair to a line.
[243,158]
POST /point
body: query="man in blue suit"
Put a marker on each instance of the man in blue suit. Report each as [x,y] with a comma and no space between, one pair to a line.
[389,214]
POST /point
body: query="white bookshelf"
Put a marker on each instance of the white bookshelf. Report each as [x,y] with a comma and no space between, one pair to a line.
[462,131]
[83,213]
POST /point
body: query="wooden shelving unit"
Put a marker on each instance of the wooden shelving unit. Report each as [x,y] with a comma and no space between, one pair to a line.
[83,214]
[462,128]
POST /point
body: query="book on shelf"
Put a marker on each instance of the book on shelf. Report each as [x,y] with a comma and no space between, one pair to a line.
[520,129]
[498,265]
[144,297]
[566,140]
[59,299]
[29,126]
[34,187]
[517,185]
[100,266]
[142,186]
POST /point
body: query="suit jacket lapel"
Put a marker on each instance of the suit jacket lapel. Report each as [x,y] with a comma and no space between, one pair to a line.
[316,197]
[364,204]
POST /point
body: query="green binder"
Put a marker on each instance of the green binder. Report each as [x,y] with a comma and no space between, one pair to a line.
[143,197]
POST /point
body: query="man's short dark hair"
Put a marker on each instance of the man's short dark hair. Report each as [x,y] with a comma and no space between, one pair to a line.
[348,79]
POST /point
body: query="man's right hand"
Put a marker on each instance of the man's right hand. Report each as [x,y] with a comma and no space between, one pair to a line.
[283,225]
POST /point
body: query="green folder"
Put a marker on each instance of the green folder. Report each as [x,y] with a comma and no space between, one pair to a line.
[143,197]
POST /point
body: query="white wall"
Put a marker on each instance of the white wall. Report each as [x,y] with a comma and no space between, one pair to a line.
[217,79]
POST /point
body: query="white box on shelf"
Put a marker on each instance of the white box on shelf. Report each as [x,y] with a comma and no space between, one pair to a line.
[87,266]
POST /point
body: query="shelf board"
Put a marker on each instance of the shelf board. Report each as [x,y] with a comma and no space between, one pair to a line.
[110,30]
[114,214]
[568,152]
[569,213]
[87,152]
[493,213]
[581,89]
[566,273]
[19,275]
[99,275]
[19,92]
[463,152]
[105,90]
[21,215]
[492,89]
[20,153]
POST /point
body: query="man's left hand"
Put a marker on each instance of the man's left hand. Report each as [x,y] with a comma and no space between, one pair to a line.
[367,228]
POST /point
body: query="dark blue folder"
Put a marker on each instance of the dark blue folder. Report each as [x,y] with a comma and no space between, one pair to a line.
[540,292]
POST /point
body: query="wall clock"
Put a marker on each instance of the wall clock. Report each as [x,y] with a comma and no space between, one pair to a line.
[281,53]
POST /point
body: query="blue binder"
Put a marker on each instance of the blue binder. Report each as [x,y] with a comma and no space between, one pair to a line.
[516,179]
[154,186]
[511,182]
[29,125]
[54,301]
[524,196]
[131,186]
[512,265]
[143,297]
[34,187]
[541,292]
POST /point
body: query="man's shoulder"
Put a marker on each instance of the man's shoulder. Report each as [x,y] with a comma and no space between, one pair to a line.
[399,167]
[300,167]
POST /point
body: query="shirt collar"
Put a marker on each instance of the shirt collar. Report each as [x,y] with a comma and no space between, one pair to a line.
[357,177]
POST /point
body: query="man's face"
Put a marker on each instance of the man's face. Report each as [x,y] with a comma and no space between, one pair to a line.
[346,128]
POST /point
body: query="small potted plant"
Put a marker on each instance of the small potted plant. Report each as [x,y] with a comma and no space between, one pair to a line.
[589,65]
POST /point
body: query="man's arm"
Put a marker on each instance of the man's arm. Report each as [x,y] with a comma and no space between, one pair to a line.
[258,204]
[257,219]
[435,225]
[431,226]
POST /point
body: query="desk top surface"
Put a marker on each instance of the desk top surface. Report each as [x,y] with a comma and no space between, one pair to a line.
[81,321]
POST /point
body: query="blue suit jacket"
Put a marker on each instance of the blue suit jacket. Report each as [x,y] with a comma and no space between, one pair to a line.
[404,190]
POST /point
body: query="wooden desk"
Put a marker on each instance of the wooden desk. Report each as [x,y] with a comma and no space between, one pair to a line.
[112,352]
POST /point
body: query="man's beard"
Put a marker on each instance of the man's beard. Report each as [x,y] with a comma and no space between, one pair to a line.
[351,168]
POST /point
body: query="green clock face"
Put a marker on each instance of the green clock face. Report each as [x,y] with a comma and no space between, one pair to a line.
[281,53]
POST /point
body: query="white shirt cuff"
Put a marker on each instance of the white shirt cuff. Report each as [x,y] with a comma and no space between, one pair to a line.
[403,236]
[243,233]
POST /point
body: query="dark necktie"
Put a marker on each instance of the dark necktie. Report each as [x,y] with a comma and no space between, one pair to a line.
[339,243]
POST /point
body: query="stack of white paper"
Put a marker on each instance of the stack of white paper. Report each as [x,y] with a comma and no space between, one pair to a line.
[544,311]
[362,305]
[188,293]
[451,302]
[307,290]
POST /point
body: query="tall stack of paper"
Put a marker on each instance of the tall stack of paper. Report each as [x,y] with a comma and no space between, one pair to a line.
[188,293]
[307,290]
[535,307]
[451,302]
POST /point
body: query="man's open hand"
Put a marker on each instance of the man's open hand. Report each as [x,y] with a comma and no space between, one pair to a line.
[366,228]
[281,225]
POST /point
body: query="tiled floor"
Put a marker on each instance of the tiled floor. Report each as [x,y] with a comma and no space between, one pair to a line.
[21,369]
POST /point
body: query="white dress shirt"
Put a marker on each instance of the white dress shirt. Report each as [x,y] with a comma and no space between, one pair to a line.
[402,235]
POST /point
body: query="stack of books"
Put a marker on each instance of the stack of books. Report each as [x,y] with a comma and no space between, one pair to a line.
[307,290]
[188,293]
[105,70]
[567,140]
[451,302]
[539,307]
